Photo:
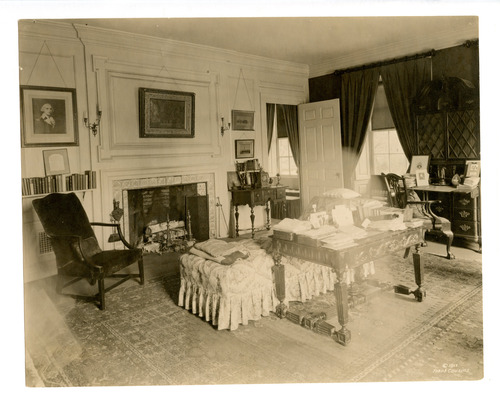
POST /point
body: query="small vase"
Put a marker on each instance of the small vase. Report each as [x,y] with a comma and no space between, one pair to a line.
[455,180]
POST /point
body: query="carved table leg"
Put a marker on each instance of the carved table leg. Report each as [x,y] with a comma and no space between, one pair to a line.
[236,216]
[252,219]
[279,284]
[340,289]
[418,268]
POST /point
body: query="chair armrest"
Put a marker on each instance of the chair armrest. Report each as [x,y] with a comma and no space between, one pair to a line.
[119,229]
[427,209]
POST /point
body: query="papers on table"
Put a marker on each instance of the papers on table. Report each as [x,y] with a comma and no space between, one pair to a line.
[319,233]
[353,232]
[292,225]
[338,241]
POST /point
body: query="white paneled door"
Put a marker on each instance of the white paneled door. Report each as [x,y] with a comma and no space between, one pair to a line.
[320,148]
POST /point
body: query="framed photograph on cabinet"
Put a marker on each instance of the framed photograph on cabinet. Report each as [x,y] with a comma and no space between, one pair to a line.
[48,116]
[244,148]
[166,114]
[56,162]
[242,120]
[422,177]
[472,168]
[419,163]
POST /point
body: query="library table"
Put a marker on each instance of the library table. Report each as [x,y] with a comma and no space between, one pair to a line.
[376,245]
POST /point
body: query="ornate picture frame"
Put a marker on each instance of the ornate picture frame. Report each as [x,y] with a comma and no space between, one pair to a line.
[166,114]
[49,116]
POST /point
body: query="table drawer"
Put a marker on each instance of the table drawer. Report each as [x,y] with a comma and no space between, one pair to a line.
[461,200]
[463,228]
[263,195]
[461,214]
[242,198]
[442,210]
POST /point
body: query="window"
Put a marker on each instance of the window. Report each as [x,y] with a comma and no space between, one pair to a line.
[382,151]
[286,163]
[387,153]
[280,155]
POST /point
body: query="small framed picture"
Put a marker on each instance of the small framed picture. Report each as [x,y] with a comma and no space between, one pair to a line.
[422,177]
[48,116]
[472,168]
[419,163]
[56,162]
[242,120]
[244,149]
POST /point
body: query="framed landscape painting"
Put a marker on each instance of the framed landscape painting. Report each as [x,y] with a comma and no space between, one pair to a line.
[166,114]
[48,116]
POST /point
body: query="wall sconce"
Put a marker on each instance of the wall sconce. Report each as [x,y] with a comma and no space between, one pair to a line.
[224,128]
[94,125]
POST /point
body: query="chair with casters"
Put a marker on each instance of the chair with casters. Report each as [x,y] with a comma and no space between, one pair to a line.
[78,255]
[401,197]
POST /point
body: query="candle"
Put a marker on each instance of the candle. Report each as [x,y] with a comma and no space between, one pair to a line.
[85,116]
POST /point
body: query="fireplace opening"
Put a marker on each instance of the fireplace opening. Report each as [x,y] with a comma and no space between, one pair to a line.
[168,215]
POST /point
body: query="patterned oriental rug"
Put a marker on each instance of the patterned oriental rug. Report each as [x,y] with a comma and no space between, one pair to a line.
[144,338]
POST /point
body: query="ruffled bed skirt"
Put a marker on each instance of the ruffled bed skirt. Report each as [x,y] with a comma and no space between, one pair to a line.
[229,295]
[227,312]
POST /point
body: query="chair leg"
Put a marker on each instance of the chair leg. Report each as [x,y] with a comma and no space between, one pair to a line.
[102,291]
[141,271]
[449,235]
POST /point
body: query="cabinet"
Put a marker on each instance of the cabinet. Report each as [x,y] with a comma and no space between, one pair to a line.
[462,208]
[466,220]
[449,135]
[447,125]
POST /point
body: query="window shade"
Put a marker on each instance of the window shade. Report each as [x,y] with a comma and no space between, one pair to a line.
[381,116]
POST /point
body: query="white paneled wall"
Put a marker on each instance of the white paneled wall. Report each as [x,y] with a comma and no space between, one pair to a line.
[107,68]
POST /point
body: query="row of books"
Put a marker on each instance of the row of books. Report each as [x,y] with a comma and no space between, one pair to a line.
[59,183]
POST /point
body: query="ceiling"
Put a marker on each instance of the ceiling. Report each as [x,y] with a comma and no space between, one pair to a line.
[314,41]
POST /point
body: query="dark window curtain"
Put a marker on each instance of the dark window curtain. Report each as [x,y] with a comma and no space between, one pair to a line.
[402,82]
[270,109]
[289,116]
[357,94]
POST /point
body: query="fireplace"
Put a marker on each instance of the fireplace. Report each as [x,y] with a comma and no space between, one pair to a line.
[151,206]
[159,199]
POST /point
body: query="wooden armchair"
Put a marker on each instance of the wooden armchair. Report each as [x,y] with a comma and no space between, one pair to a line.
[78,254]
[400,197]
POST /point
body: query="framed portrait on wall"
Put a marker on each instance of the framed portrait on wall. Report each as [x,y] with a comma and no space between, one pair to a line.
[166,114]
[48,116]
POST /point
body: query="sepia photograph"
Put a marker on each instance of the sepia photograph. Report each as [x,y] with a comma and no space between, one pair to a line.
[145,263]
